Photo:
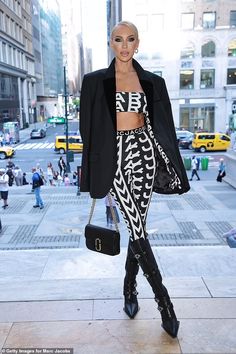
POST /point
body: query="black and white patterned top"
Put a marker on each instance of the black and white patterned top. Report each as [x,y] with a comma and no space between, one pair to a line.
[131,102]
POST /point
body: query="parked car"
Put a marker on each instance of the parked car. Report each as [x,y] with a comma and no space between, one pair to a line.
[210,142]
[182,134]
[6,151]
[186,143]
[38,133]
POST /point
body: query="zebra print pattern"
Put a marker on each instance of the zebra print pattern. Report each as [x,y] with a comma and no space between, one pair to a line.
[134,178]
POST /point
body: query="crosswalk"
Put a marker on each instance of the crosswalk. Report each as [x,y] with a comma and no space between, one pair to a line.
[34,146]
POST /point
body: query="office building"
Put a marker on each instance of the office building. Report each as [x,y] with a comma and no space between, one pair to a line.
[17,75]
[192,44]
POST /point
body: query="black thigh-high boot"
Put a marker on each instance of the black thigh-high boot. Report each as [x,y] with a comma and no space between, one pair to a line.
[143,252]
[130,294]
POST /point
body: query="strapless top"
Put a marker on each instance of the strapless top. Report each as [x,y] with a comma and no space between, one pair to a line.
[131,102]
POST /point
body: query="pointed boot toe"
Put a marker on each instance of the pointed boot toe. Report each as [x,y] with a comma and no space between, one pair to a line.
[131,308]
[171,326]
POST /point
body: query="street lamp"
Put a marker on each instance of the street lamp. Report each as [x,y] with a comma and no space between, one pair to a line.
[66,122]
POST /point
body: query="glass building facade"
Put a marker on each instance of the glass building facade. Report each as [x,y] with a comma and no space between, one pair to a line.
[51,47]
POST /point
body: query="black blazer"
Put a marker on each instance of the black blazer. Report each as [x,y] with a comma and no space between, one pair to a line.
[98,132]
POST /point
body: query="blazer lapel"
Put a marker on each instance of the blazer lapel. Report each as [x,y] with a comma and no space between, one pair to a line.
[147,87]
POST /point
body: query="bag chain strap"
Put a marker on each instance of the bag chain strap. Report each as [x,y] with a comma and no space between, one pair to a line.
[112,212]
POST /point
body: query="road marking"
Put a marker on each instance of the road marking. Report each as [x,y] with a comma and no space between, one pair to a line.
[29,146]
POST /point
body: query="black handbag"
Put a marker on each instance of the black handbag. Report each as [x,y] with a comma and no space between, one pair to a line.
[101,239]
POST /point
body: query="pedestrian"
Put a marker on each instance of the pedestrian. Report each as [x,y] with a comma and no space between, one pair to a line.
[74,178]
[18,175]
[9,172]
[62,166]
[4,187]
[110,220]
[37,182]
[24,179]
[50,174]
[66,180]
[10,164]
[194,166]
[130,150]
[221,170]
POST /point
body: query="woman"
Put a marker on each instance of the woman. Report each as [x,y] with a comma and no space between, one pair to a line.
[221,170]
[62,166]
[130,149]
[50,173]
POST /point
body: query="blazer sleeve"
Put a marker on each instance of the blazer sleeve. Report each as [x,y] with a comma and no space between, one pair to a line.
[167,106]
[85,111]
[85,128]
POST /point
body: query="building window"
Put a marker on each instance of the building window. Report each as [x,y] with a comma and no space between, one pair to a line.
[4,52]
[231,76]
[7,24]
[2,21]
[142,23]
[187,21]
[186,79]
[232,18]
[198,118]
[209,20]
[208,49]
[207,78]
[157,22]
[187,52]
[232,48]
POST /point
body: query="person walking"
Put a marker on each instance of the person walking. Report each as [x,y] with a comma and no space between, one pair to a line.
[221,170]
[62,166]
[18,175]
[37,182]
[4,187]
[130,150]
[194,166]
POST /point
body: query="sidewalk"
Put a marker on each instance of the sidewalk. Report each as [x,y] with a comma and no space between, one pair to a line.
[56,293]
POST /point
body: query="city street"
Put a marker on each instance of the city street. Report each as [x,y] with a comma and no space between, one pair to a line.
[32,151]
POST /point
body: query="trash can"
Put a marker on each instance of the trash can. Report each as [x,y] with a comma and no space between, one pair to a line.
[187,163]
[70,155]
[204,163]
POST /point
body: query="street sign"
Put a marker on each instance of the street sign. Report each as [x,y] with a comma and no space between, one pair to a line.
[56,120]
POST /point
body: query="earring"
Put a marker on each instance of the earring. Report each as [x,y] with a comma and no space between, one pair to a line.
[136,50]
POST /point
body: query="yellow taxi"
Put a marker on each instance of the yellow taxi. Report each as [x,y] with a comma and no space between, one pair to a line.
[210,142]
[6,151]
[74,144]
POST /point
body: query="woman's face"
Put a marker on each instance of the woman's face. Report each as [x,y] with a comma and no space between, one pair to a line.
[124,42]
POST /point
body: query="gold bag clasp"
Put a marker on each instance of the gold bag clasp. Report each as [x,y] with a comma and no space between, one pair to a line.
[98,244]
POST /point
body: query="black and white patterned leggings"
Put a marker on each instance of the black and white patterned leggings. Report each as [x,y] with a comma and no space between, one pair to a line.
[133,182]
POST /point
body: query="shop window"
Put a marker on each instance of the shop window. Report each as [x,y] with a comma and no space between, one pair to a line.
[187,21]
[186,79]
[231,76]
[209,20]
[207,78]
[208,49]
[232,48]
[232,18]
